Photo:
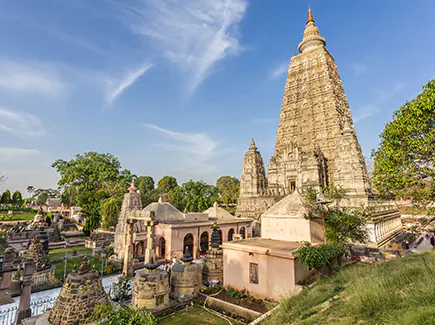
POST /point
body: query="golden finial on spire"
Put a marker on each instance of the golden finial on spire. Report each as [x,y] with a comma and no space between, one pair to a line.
[132,188]
[310,16]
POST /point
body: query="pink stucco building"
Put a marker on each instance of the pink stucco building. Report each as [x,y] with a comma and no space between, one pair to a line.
[267,266]
[175,230]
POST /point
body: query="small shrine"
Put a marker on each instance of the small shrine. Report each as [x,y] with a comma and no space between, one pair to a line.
[81,292]
[212,271]
[38,253]
[151,288]
[185,279]
[151,285]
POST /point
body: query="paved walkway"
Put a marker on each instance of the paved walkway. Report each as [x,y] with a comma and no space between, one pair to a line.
[424,245]
[53,293]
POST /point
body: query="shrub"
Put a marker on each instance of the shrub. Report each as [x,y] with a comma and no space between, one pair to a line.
[110,315]
[322,256]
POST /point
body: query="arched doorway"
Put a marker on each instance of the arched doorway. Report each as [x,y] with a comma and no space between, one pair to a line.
[242,232]
[188,242]
[162,247]
[230,234]
[204,242]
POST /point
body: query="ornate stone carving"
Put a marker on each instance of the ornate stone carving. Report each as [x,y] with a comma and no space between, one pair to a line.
[316,144]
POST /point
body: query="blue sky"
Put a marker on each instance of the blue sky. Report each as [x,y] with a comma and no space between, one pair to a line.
[179,87]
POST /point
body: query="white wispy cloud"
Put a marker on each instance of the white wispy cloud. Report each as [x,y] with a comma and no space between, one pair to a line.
[359,68]
[373,109]
[115,90]
[279,70]
[9,153]
[29,77]
[20,123]
[194,34]
[200,148]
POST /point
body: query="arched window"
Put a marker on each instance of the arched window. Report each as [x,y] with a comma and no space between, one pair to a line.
[204,242]
[242,232]
[162,247]
[230,234]
[188,242]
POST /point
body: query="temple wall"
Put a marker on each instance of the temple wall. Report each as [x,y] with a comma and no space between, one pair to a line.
[277,276]
[291,229]
[174,237]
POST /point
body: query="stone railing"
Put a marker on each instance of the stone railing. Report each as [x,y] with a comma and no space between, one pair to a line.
[38,307]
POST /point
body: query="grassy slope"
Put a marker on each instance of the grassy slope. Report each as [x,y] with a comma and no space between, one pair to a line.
[194,315]
[399,292]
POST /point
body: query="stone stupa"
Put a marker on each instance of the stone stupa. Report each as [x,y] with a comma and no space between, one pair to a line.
[185,279]
[39,254]
[81,292]
[212,271]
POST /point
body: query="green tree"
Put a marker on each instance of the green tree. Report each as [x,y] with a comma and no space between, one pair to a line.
[94,175]
[229,188]
[321,256]
[69,195]
[30,190]
[145,184]
[342,224]
[17,198]
[6,197]
[198,196]
[42,198]
[175,197]
[404,163]
[110,210]
[166,184]
[120,314]
[148,193]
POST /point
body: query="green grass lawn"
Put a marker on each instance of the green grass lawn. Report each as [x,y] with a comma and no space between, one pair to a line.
[57,255]
[195,315]
[17,216]
[399,292]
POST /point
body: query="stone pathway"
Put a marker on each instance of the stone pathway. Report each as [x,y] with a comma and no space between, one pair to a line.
[53,293]
[424,245]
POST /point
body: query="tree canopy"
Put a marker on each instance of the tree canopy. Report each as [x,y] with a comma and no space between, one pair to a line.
[17,198]
[95,177]
[198,196]
[404,163]
[342,224]
[166,184]
[6,197]
[228,189]
[148,193]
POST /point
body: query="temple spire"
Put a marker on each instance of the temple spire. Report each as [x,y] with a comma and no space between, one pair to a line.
[132,188]
[252,147]
[310,16]
[312,38]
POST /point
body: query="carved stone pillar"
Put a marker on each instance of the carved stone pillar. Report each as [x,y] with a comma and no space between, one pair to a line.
[150,252]
[8,266]
[128,251]
[24,310]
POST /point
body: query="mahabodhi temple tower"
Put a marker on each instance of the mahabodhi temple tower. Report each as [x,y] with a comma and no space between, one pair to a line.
[316,144]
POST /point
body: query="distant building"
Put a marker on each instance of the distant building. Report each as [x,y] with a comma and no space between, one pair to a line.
[175,230]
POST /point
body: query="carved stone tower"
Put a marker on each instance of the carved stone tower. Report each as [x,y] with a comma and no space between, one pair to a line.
[253,181]
[253,198]
[316,144]
[132,202]
[311,132]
